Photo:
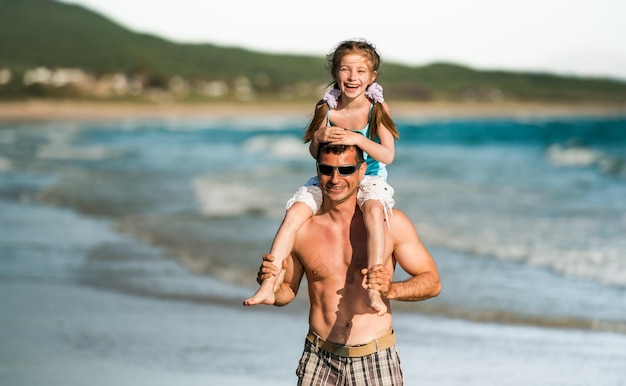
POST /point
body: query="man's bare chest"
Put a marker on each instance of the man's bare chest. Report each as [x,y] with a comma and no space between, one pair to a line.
[327,258]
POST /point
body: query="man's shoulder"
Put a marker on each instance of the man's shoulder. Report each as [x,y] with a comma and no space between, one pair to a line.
[312,223]
[399,220]
[399,213]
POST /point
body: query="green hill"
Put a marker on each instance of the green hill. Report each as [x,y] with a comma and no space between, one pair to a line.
[47,33]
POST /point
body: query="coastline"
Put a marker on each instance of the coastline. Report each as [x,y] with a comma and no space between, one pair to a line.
[48,110]
[61,327]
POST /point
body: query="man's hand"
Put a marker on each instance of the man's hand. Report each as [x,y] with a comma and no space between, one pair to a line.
[268,269]
[377,278]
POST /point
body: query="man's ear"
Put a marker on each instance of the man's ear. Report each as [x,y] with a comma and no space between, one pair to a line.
[362,170]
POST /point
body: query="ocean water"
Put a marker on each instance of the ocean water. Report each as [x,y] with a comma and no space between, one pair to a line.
[104,225]
[525,217]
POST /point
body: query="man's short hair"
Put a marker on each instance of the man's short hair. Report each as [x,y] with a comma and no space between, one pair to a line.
[329,148]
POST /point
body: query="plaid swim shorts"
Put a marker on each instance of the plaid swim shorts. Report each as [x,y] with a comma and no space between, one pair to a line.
[320,367]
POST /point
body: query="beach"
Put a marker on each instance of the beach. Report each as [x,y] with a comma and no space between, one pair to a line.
[42,110]
[58,331]
[131,235]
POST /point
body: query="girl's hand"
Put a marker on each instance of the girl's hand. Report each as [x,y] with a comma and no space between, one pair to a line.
[329,134]
[337,136]
[325,134]
[347,137]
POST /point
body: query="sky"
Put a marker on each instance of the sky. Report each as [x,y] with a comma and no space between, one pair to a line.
[569,37]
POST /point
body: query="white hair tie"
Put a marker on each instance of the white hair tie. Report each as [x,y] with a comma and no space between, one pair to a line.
[331,97]
[375,92]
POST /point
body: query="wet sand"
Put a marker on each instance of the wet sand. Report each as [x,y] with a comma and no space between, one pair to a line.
[41,110]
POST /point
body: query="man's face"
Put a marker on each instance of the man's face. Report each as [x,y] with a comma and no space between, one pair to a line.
[335,187]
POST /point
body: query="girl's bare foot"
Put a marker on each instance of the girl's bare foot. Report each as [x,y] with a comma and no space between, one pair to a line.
[376,302]
[264,295]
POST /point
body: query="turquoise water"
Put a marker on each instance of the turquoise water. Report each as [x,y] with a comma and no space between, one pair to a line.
[525,218]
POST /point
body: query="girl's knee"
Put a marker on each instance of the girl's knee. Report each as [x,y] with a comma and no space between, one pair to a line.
[373,207]
[373,210]
[298,212]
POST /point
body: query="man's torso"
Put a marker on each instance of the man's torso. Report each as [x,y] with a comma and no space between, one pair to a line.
[333,254]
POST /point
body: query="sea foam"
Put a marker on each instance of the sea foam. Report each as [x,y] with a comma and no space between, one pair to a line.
[227,199]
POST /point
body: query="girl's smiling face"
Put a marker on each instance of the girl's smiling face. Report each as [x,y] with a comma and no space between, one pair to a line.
[354,75]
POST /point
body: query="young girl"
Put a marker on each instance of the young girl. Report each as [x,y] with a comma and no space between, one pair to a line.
[352,113]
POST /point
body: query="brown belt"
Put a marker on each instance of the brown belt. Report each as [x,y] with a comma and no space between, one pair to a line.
[382,343]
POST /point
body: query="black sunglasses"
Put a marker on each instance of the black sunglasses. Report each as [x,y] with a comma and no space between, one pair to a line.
[344,171]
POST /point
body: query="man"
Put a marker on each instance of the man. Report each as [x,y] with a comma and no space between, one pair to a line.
[348,342]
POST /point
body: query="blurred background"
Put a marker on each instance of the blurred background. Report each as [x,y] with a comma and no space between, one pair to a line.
[128,242]
[554,51]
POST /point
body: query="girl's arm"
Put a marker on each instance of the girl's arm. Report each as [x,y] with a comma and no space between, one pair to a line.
[385,150]
[314,145]
[382,152]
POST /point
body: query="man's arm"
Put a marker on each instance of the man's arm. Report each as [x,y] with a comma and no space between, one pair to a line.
[414,258]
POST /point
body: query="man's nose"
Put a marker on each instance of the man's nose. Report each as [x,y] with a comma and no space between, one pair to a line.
[335,176]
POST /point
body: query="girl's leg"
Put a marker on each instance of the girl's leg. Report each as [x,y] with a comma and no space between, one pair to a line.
[281,248]
[374,218]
